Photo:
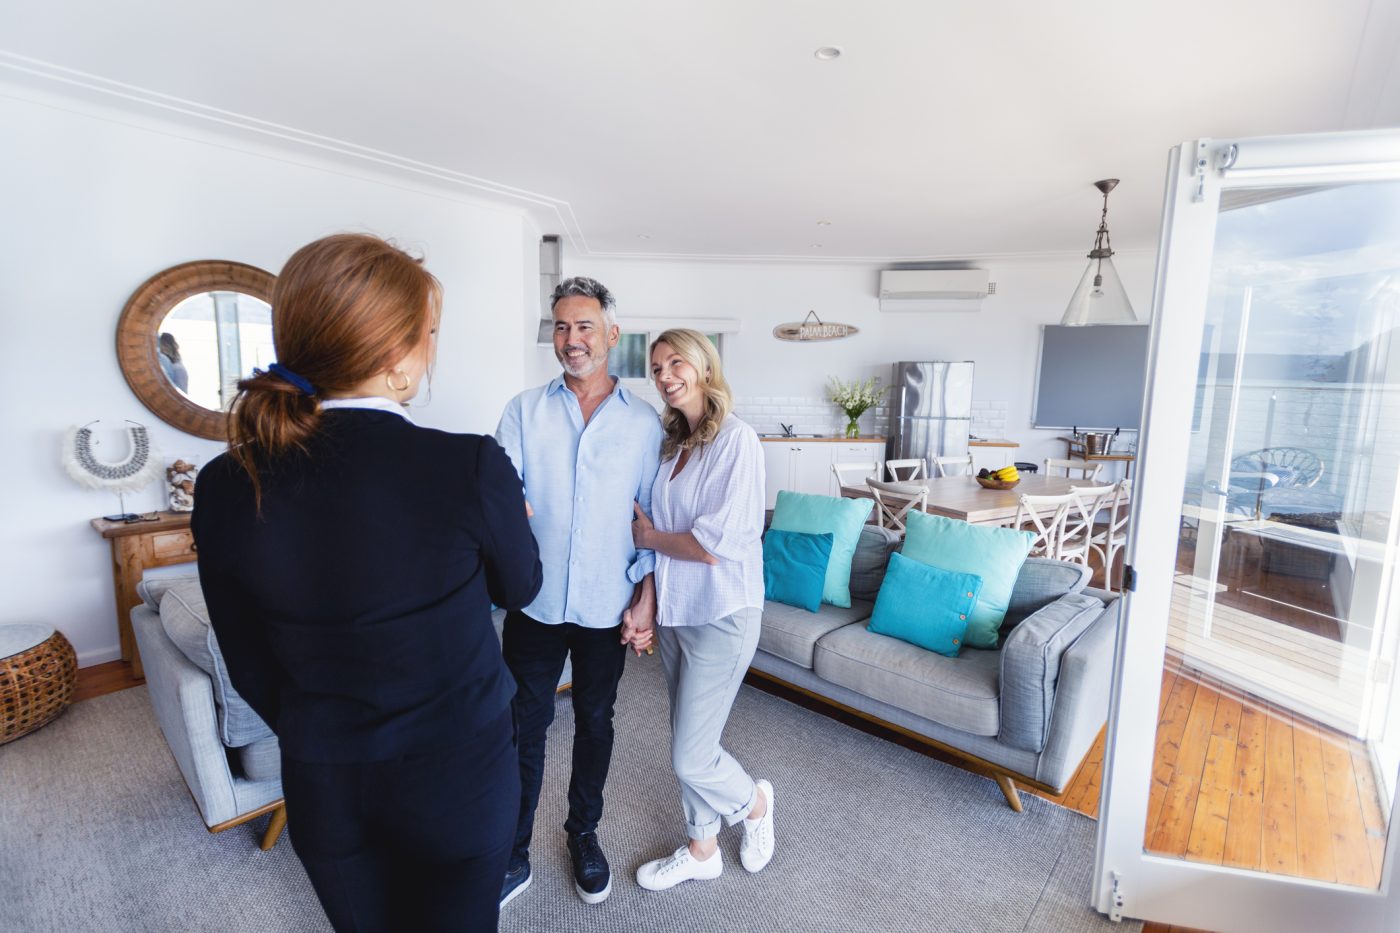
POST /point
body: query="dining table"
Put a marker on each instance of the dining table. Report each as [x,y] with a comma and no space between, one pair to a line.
[961,497]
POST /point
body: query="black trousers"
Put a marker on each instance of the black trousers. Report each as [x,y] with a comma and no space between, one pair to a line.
[535,654]
[418,842]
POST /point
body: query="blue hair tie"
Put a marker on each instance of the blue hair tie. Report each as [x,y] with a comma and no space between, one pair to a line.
[286,375]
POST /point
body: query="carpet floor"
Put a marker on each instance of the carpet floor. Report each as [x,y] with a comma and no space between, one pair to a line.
[98,833]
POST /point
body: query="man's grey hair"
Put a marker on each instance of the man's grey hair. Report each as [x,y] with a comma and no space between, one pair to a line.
[584,287]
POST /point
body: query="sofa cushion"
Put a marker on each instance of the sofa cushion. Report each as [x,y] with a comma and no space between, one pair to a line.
[185,619]
[924,605]
[1030,667]
[794,567]
[791,634]
[843,518]
[994,554]
[873,550]
[260,760]
[1041,582]
[961,693]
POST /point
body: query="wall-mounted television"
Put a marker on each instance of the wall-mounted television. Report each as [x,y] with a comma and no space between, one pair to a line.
[1091,377]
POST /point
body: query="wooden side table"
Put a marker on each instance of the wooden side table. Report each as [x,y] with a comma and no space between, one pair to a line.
[135,547]
[1075,449]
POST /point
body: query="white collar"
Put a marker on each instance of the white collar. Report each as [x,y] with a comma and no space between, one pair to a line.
[371,402]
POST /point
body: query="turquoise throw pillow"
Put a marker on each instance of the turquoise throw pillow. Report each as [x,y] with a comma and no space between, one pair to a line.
[994,554]
[841,518]
[794,567]
[924,605]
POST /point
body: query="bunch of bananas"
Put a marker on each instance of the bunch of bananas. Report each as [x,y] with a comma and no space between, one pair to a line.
[1007,474]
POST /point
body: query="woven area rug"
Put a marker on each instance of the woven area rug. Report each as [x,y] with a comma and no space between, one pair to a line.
[98,833]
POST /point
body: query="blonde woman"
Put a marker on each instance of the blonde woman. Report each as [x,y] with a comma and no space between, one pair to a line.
[707,507]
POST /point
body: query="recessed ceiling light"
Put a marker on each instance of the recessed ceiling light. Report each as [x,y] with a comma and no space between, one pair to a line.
[823,223]
[643,236]
[828,53]
[815,245]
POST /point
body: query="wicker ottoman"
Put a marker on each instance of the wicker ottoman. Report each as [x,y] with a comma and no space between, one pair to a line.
[38,671]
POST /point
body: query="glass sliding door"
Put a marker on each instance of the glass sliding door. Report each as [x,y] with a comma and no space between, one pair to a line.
[1254,789]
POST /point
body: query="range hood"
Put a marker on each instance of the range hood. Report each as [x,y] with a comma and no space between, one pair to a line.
[934,289]
[551,266]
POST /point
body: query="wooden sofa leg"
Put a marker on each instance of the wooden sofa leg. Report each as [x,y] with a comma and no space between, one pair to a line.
[277,823]
[1008,789]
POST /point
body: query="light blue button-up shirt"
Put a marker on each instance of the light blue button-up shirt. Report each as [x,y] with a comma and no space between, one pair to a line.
[581,480]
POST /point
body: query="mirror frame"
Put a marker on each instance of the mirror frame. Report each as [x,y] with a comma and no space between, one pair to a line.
[138,327]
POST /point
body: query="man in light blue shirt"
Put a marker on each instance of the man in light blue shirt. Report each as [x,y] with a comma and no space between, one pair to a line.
[586,449]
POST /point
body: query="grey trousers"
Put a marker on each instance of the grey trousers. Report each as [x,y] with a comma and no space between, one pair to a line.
[704,665]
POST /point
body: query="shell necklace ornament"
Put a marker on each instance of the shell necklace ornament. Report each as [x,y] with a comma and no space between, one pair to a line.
[138,469]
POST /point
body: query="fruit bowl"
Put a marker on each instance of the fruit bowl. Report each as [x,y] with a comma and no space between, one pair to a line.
[987,482]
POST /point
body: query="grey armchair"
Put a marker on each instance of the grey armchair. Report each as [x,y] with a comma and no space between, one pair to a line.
[228,757]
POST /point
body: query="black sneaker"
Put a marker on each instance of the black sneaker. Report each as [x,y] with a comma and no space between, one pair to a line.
[592,878]
[517,880]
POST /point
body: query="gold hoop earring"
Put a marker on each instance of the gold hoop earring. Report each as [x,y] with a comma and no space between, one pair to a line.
[389,381]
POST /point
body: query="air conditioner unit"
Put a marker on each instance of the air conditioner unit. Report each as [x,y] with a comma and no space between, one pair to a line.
[933,289]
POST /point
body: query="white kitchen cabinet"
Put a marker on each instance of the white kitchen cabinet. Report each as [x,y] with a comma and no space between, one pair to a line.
[805,466]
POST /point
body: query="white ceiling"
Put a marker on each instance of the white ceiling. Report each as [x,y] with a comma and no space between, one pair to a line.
[948,129]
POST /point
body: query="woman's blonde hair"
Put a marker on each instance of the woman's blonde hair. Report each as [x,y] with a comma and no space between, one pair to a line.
[695,348]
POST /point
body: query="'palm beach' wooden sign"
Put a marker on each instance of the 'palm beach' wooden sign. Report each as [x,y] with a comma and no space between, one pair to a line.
[814,328]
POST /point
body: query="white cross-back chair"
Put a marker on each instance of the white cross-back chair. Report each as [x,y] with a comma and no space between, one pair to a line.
[916,467]
[854,474]
[1044,516]
[893,501]
[953,466]
[1107,543]
[1077,536]
[1074,469]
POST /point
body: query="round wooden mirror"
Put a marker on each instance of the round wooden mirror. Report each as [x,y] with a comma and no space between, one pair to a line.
[188,334]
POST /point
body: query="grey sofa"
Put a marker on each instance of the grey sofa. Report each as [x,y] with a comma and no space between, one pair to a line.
[1027,712]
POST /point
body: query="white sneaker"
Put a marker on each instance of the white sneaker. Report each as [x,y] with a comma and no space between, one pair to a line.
[756,850]
[679,866]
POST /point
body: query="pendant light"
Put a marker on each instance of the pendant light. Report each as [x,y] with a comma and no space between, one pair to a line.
[1100,297]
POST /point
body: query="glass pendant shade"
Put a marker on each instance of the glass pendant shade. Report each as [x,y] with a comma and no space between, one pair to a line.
[1100,297]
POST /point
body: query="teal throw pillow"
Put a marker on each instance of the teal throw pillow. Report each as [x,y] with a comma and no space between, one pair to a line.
[994,554]
[924,605]
[816,515]
[794,567]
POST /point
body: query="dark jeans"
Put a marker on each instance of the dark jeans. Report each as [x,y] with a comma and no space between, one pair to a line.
[535,654]
[419,842]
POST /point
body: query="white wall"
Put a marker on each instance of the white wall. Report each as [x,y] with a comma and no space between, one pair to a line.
[780,380]
[95,201]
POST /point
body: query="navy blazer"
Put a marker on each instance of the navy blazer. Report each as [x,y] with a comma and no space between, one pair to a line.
[354,612]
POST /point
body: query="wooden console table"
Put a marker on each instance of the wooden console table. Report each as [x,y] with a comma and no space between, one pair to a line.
[135,547]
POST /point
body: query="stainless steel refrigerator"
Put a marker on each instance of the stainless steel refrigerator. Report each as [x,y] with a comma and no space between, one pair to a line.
[930,411]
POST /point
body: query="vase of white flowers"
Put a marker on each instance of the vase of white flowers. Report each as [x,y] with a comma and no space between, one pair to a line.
[855,398]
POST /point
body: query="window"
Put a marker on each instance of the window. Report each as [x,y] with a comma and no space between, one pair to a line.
[629,359]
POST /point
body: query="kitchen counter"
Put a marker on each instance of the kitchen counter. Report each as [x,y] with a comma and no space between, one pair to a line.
[827,439]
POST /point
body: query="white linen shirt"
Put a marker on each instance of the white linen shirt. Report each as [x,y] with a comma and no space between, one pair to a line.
[718,498]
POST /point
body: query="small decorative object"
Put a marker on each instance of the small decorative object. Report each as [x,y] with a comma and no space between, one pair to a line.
[813,328]
[855,398]
[1005,478]
[1100,297]
[179,476]
[137,470]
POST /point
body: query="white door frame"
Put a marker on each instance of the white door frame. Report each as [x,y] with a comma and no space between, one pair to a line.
[1128,881]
